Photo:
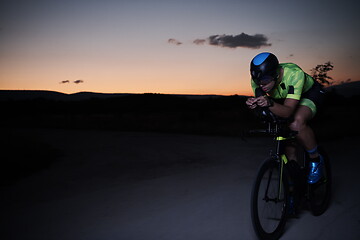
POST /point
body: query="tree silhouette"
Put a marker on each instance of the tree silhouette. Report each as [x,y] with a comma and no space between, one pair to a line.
[319,73]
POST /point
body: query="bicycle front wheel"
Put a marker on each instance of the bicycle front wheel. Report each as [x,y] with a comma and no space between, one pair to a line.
[269,201]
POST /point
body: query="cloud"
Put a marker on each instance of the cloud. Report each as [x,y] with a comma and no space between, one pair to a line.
[78,81]
[242,40]
[68,81]
[174,41]
[199,41]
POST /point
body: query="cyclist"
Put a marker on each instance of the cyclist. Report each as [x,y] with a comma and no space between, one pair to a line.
[289,92]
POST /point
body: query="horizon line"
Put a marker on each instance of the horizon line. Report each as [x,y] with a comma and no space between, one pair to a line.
[125,93]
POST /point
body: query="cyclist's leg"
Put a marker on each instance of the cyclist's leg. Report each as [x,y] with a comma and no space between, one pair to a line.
[306,137]
[305,134]
[308,106]
[291,149]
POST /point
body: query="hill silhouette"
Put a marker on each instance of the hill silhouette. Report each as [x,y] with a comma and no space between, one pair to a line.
[185,114]
[200,114]
[16,95]
[130,112]
[349,89]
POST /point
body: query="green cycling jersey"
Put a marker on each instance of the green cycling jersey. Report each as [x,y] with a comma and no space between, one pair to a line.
[292,83]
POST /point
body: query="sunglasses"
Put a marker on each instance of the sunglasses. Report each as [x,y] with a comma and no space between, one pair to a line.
[264,80]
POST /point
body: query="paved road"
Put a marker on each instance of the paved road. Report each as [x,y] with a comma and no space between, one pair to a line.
[144,186]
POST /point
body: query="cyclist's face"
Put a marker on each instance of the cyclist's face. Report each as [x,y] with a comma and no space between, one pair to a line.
[266,87]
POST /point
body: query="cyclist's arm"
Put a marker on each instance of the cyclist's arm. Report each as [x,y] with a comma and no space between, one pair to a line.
[284,110]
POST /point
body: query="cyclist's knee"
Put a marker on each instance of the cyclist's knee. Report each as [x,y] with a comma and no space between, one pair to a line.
[298,124]
[301,117]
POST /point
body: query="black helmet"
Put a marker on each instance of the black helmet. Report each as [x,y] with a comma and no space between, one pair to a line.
[264,65]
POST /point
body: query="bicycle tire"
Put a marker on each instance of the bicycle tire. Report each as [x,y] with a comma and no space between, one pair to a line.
[269,224]
[320,193]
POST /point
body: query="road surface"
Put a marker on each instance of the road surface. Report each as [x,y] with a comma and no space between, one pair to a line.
[152,186]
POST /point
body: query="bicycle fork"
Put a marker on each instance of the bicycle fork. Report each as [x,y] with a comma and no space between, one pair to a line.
[283,160]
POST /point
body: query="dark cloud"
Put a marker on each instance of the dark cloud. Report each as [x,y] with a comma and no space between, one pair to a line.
[199,41]
[78,81]
[241,40]
[174,41]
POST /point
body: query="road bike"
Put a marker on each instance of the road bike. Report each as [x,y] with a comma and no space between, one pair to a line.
[280,185]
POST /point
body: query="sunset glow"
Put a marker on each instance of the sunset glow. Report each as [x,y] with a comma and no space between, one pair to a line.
[172,47]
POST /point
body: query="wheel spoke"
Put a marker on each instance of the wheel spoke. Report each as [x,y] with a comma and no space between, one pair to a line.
[268,203]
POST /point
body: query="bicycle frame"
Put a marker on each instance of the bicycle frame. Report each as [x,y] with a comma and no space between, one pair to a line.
[280,136]
[280,155]
[280,183]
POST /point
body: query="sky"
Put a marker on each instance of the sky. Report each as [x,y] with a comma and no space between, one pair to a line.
[169,46]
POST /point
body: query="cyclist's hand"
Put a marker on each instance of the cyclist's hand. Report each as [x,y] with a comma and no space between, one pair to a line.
[263,101]
[251,103]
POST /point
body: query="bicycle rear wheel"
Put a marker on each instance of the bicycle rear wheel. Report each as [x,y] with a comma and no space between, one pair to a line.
[269,201]
[320,192]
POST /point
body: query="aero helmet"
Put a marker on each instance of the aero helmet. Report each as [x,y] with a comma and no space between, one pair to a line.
[264,65]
